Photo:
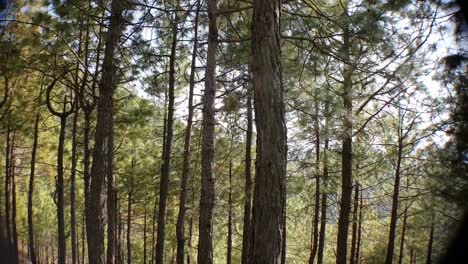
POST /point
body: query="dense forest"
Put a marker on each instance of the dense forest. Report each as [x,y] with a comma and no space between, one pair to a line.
[232,131]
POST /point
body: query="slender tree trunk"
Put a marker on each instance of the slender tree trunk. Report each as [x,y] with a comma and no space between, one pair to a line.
[207,197]
[166,163]
[431,241]
[112,219]
[180,226]
[246,231]
[129,228]
[315,227]
[412,258]
[13,199]
[153,232]
[270,179]
[396,193]
[32,251]
[62,250]
[355,224]
[346,157]
[145,226]
[359,238]
[7,185]
[229,236]
[403,233]
[73,223]
[323,206]
[83,239]
[101,168]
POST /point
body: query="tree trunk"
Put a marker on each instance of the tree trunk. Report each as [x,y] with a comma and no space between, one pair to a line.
[358,250]
[355,224]
[129,228]
[13,199]
[180,226]
[207,197]
[270,179]
[396,193]
[431,241]
[315,227]
[101,168]
[323,206]
[153,233]
[145,226]
[346,157]
[7,186]
[246,231]
[32,251]
[403,233]
[62,250]
[229,236]
[74,158]
[412,257]
[166,162]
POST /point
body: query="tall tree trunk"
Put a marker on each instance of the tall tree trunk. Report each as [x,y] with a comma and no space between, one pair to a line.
[153,232]
[229,236]
[7,185]
[346,156]
[145,227]
[403,233]
[180,226]
[207,197]
[431,241]
[112,221]
[166,162]
[83,239]
[395,197]
[129,227]
[412,257]
[246,231]
[315,227]
[101,168]
[270,179]
[62,250]
[73,223]
[59,196]
[13,199]
[32,250]
[359,237]
[323,206]
[355,224]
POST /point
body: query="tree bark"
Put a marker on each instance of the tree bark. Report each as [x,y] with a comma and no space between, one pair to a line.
[207,197]
[59,195]
[129,227]
[13,199]
[73,223]
[101,168]
[270,179]
[355,224]
[145,237]
[431,241]
[323,206]
[403,233]
[7,185]
[346,156]
[229,236]
[32,250]
[395,197]
[166,162]
[180,226]
[359,237]
[315,227]
[246,231]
